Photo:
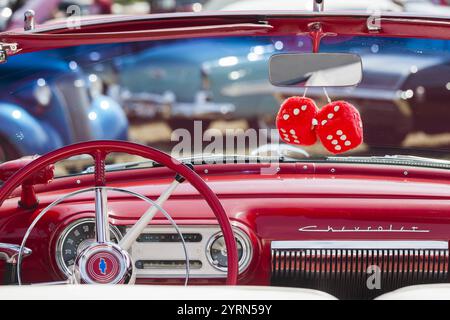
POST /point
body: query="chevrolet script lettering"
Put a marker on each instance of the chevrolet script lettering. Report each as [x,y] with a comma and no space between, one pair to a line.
[389,228]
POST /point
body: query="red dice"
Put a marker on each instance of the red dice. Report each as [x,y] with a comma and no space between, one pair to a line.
[296,120]
[339,127]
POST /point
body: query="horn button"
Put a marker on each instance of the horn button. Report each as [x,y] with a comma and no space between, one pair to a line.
[103,263]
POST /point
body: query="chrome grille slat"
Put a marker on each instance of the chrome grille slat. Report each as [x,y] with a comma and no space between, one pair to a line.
[342,271]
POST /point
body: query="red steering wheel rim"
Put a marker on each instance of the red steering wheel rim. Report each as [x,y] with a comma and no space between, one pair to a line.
[100,148]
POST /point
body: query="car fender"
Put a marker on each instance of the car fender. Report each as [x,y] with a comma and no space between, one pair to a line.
[24,132]
[111,120]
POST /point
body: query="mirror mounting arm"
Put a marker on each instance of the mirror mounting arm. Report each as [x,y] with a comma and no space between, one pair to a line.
[316,34]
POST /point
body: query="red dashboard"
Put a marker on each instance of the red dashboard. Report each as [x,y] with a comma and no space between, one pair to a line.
[303,203]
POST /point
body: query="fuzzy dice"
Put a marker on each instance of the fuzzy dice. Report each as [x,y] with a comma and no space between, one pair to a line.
[338,124]
[339,127]
[296,120]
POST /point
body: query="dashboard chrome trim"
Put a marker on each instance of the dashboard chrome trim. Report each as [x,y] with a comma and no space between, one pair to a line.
[198,251]
[9,252]
[357,244]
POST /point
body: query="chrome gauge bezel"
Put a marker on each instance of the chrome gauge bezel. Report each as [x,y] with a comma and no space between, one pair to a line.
[247,249]
[62,238]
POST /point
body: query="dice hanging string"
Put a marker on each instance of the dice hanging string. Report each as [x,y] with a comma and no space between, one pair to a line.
[326,94]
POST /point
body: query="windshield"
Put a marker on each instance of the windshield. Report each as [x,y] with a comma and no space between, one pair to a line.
[213,96]
[427,7]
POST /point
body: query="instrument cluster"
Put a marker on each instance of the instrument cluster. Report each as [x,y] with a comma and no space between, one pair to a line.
[158,252]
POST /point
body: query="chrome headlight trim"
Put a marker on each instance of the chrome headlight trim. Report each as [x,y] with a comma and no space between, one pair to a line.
[247,249]
[42,92]
[62,238]
[96,85]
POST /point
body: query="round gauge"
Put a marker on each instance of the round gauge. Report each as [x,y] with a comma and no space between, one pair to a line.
[216,251]
[75,238]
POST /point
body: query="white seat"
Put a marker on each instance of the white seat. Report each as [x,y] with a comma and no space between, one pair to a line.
[439,291]
[132,292]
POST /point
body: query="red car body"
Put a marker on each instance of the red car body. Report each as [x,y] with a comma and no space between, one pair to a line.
[301,196]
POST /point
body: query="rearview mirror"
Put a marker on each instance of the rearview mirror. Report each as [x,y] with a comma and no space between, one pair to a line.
[315,70]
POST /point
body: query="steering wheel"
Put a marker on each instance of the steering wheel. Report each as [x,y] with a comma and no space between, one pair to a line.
[103,258]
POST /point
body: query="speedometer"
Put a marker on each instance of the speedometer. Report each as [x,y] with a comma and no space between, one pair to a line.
[75,238]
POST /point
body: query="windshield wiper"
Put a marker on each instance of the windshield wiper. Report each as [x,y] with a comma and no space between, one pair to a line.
[395,160]
[195,160]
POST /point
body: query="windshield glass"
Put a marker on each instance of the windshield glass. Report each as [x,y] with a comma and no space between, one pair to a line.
[213,96]
[430,7]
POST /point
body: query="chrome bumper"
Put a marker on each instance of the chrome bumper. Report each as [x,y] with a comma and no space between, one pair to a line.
[147,105]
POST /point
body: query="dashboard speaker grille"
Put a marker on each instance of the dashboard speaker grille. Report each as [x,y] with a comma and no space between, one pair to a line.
[358,273]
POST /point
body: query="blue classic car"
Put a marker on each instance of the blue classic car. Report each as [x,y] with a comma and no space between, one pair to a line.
[48,102]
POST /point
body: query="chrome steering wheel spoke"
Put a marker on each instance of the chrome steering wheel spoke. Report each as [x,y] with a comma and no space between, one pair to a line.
[101,215]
